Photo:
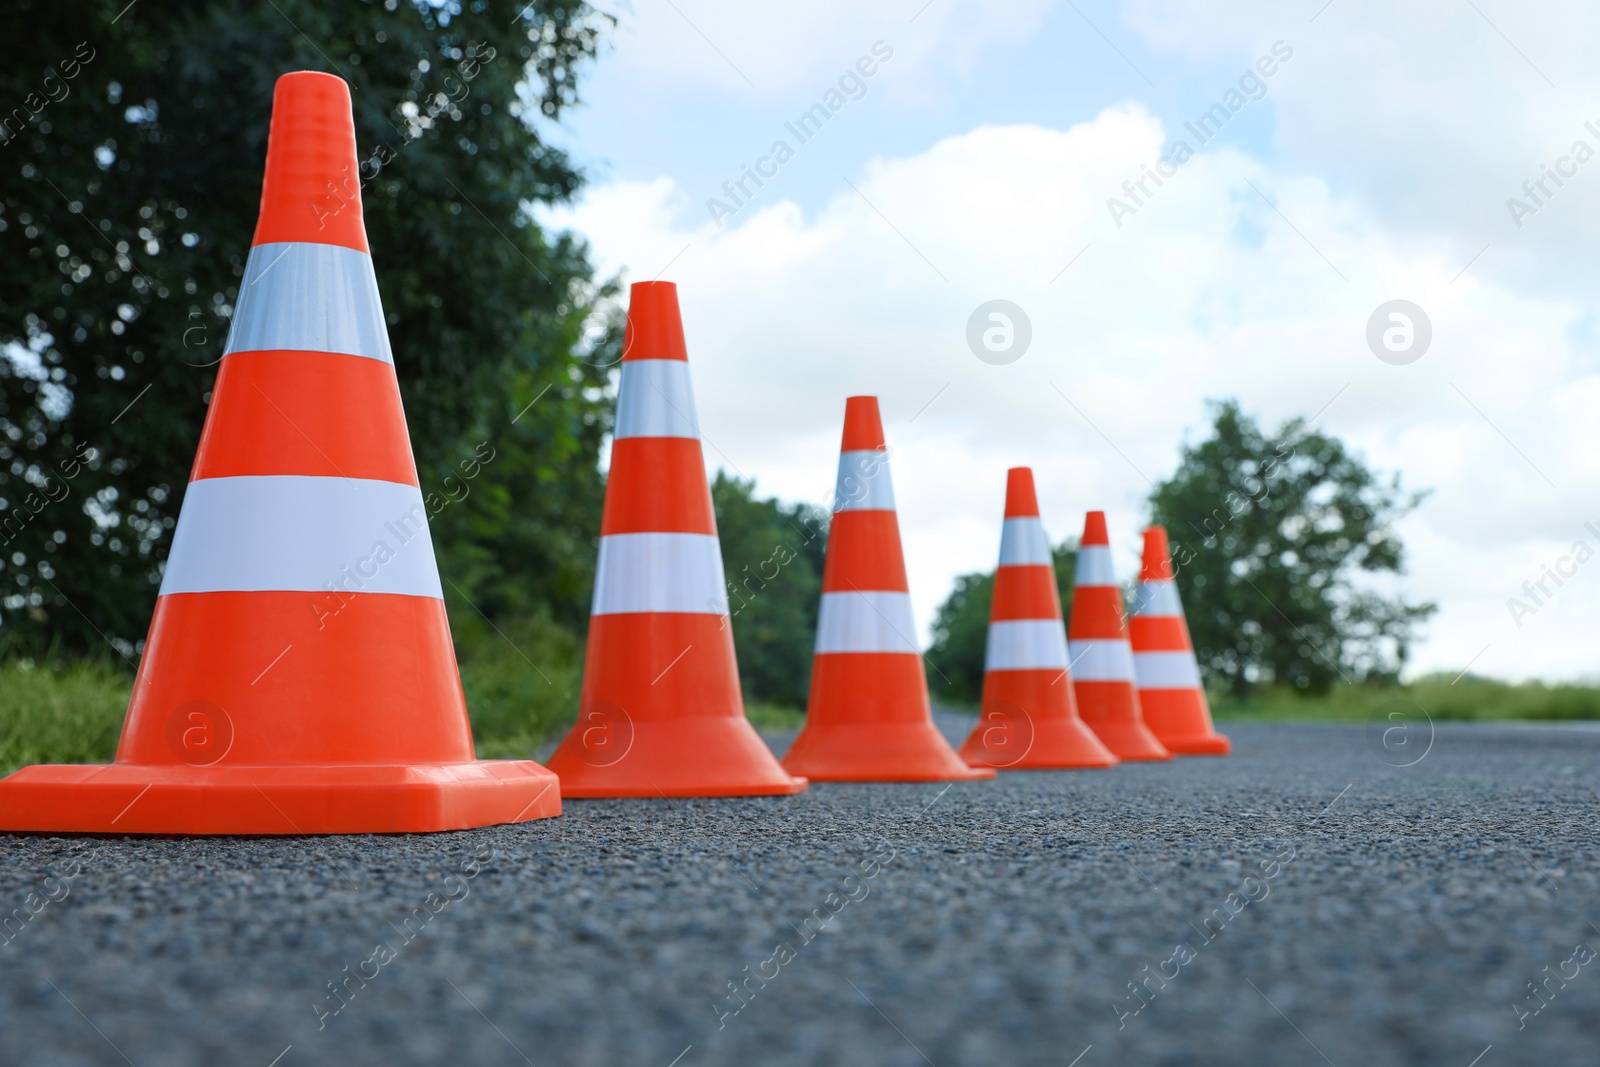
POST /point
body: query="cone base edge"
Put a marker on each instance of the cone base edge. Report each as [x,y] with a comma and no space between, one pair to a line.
[1214,745]
[296,801]
[795,787]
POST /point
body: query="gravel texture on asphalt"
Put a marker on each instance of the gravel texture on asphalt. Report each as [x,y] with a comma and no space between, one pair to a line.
[1301,902]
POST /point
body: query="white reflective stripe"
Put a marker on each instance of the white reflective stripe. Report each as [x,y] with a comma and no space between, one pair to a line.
[863,483]
[642,572]
[1102,661]
[1094,566]
[1022,542]
[1026,645]
[1159,597]
[866,622]
[655,398]
[295,532]
[1166,670]
[310,298]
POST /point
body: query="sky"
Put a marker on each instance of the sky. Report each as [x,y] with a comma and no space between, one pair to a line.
[1371,152]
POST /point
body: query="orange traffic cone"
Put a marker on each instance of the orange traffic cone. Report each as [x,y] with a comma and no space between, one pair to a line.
[868,719]
[1102,662]
[1170,693]
[661,714]
[1028,720]
[299,675]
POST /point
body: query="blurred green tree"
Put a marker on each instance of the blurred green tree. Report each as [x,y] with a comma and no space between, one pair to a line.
[1276,541]
[961,629]
[772,554]
[133,137]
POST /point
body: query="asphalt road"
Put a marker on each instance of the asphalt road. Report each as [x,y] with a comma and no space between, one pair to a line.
[1302,902]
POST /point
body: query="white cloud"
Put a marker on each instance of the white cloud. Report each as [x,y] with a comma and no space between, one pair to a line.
[1433,112]
[1208,291]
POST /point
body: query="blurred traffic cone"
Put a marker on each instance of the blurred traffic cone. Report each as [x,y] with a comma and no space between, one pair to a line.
[661,713]
[1170,694]
[868,719]
[299,675]
[1028,720]
[1102,662]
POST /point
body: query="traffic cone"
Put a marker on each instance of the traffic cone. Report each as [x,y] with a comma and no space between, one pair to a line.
[1028,719]
[868,718]
[1102,662]
[1170,693]
[299,675]
[661,713]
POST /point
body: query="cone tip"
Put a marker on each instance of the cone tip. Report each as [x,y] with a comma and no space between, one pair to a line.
[1021,500]
[655,324]
[1094,529]
[863,426]
[311,184]
[1157,563]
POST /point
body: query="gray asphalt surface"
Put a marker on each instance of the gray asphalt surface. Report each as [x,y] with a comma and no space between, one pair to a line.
[1001,924]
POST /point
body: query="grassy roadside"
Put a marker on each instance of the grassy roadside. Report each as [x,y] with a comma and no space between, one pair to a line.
[60,716]
[522,689]
[1467,699]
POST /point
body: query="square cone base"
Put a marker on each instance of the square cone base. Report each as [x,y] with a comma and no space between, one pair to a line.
[329,798]
[1181,722]
[1130,741]
[1057,744]
[878,752]
[689,756]
[1208,745]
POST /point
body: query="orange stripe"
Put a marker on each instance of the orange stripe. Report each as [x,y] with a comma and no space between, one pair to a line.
[1025,592]
[311,190]
[1094,529]
[657,485]
[863,428]
[1021,501]
[310,413]
[375,683]
[1158,633]
[662,666]
[1157,562]
[1096,612]
[1041,693]
[867,687]
[655,327]
[864,554]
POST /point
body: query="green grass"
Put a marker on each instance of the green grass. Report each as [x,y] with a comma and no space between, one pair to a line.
[522,687]
[60,716]
[765,716]
[521,682]
[1469,699]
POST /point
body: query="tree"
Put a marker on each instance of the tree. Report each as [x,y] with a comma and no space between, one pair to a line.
[129,191]
[961,629]
[1275,541]
[772,554]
